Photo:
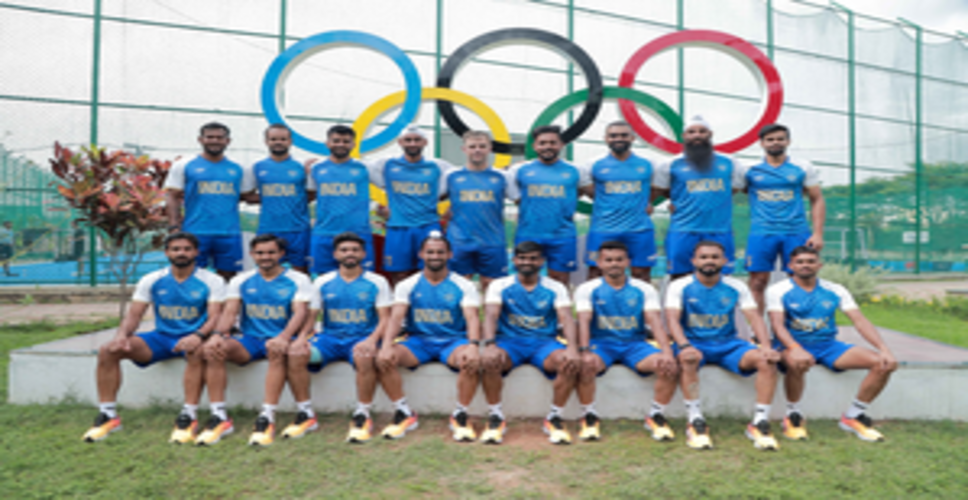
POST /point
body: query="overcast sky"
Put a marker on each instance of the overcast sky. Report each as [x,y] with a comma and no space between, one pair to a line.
[940,15]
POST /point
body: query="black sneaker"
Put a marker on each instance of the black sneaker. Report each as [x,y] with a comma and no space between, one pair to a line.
[215,430]
[699,425]
[494,421]
[262,423]
[184,421]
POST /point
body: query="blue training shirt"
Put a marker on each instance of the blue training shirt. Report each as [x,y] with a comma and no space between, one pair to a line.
[477,206]
[617,314]
[436,311]
[350,307]
[622,190]
[282,193]
[180,308]
[703,199]
[211,194]
[527,314]
[707,313]
[776,196]
[809,316]
[342,197]
[548,197]
[413,189]
[267,305]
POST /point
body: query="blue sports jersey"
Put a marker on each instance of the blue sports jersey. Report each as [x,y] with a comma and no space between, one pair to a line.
[180,308]
[703,199]
[707,313]
[809,316]
[267,305]
[342,197]
[350,308]
[282,193]
[477,205]
[617,315]
[211,194]
[549,198]
[413,189]
[527,314]
[622,190]
[436,312]
[776,196]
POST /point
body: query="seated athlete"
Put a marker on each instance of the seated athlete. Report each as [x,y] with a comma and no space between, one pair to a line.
[271,304]
[440,310]
[187,302]
[612,315]
[522,314]
[803,310]
[355,307]
[700,311]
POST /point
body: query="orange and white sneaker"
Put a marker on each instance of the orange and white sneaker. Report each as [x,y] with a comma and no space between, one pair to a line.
[304,424]
[184,431]
[862,427]
[103,427]
[555,429]
[697,435]
[591,428]
[215,430]
[461,428]
[264,432]
[361,428]
[659,427]
[494,433]
[795,427]
[401,425]
[762,436]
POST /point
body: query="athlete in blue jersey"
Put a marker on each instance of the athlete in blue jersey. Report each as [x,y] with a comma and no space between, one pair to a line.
[546,190]
[354,305]
[476,228]
[270,304]
[778,218]
[437,310]
[699,184]
[621,189]
[341,187]
[522,315]
[210,186]
[281,189]
[414,185]
[187,302]
[613,314]
[700,309]
[803,311]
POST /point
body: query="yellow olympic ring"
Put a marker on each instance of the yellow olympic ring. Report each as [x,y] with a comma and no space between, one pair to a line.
[498,130]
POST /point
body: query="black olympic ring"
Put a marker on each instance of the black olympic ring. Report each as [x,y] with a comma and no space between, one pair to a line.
[541,37]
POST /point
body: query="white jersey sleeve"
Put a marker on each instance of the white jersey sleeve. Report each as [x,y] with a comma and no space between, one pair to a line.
[739,174]
[304,287]
[774,296]
[384,298]
[585,174]
[248,179]
[234,288]
[811,176]
[673,299]
[401,294]
[471,298]
[583,295]
[316,296]
[562,298]
[375,169]
[651,295]
[445,170]
[176,174]
[847,302]
[513,191]
[142,292]
[216,285]
[492,296]
[746,300]
[661,178]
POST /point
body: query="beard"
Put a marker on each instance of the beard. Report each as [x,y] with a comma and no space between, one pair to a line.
[279,150]
[214,150]
[708,271]
[700,153]
[435,265]
[619,147]
[181,262]
[413,151]
[339,153]
[528,270]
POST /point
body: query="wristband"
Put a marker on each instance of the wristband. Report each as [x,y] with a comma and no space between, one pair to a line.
[487,342]
[475,342]
[201,335]
[685,346]
[584,349]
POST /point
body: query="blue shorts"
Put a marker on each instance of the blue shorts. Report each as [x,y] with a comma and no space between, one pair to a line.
[825,353]
[487,261]
[225,252]
[297,247]
[326,349]
[256,346]
[161,345]
[533,351]
[628,353]
[561,254]
[322,253]
[641,245]
[680,246]
[725,353]
[432,349]
[763,249]
[401,249]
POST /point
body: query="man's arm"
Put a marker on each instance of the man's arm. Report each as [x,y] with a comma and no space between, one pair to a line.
[175,198]
[818,216]
[492,312]
[229,314]
[777,320]
[673,316]
[473,319]
[870,334]
[397,315]
[584,328]
[654,320]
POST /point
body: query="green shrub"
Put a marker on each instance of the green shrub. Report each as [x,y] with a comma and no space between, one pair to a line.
[862,284]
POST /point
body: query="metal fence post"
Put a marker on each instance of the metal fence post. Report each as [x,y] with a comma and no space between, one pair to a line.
[680,25]
[918,160]
[95,95]
[852,135]
[769,29]
[438,58]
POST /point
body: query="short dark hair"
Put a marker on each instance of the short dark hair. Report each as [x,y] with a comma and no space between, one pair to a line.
[546,129]
[618,123]
[773,127]
[709,243]
[348,236]
[613,245]
[528,247]
[181,235]
[269,238]
[435,237]
[278,126]
[802,249]
[340,130]
[215,126]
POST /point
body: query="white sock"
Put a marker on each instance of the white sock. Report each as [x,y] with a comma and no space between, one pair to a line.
[306,407]
[656,409]
[218,409]
[363,408]
[190,410]
[460,409]
[589,408]
[109,409]
[555,412]
[793,408]
[762,412]
[856,409]
[402,406]
[269,411]
[694,409]
[496,410]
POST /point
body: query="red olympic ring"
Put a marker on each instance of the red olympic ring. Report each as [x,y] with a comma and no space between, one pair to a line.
[745,52]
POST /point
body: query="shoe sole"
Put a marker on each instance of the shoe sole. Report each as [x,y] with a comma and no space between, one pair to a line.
[256,444]
[219,438]
[102,438]
[406,431]
[703,447]
[302,434]
[853,431]
[463,439]
[790,438]
[757,445]
[492,441]
[550,439]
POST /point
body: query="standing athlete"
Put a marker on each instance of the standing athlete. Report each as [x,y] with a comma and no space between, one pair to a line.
[187,302]
[621,190]
[209,186]
[414,185]
[281,189]
[476,227]
[778,219]
[355,306]
[700,184]
[803,312]
[270,303]
[522,314]
[341,187]
[547,191]
[700,310]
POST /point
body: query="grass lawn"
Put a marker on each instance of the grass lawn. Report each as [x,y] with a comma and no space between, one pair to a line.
[915,320]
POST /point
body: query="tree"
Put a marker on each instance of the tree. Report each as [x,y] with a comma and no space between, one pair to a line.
[121,195]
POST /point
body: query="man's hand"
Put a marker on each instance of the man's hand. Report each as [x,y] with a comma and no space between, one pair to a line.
[492,358]
[815,242]
[188,344]
[214,348]
[770,354]
[277,347]
[119,344]
[365,349]
[383,212]
[887,360]
[299,347]
[469,359]
[587,360]
[386,359]
[666,363]
[800,358]
[690,354]
[571,362]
